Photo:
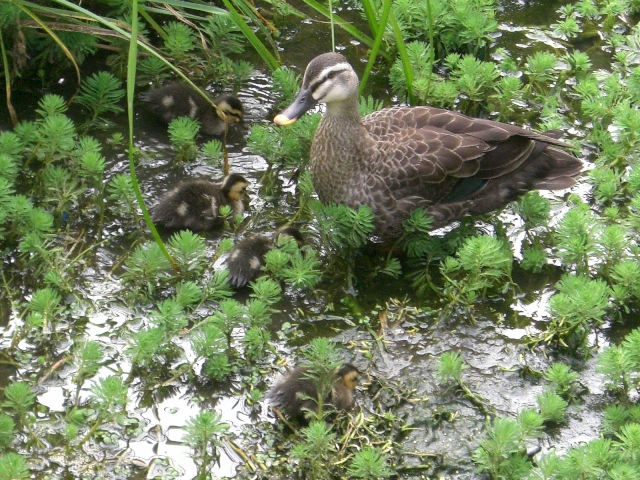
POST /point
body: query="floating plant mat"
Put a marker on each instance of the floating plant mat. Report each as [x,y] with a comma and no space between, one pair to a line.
[503,347]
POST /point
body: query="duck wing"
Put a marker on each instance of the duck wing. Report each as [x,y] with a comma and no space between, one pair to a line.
[454,165]
[425,145]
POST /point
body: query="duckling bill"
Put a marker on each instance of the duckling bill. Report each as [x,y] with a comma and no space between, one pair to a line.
[181,100]
[195,204]
[246,258]
[288,393]
[400,159]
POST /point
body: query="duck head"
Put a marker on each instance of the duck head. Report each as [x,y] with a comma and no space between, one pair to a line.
[330,79]
[234,186]
[348,375]
[231,107]
[283,234]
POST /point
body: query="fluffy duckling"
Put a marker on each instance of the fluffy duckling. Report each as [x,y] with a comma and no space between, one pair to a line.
[195,204]
[400,159]
[181,100]
[285,394]
[246,258]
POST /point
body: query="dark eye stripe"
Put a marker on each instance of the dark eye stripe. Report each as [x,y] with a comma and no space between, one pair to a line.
[331,73]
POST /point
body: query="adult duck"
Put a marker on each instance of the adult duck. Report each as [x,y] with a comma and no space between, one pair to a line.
[403,158]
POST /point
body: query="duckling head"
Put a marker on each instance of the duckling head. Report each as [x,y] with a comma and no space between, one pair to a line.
[286,232]
[231,107]
[234,186]
[348,376]
[330,79]
[342,394]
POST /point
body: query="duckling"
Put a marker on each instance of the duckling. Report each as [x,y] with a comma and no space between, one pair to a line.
[400,159]
[285,395]
[181,100]
[195,204]
[246,258]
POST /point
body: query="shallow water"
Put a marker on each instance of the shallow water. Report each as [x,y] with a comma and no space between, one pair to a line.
[443,425]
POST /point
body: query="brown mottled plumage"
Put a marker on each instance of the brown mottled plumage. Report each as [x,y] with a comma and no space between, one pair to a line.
[285,394]
[195,204]
[246,258]
[181,100]
[402,158]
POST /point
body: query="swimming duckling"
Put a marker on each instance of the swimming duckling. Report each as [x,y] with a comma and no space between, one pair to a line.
[400,159]
[285,394]
[195,204]
[181,100]
[246,258]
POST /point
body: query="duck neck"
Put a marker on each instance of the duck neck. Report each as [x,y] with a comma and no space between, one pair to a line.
[348,110]
[339,154]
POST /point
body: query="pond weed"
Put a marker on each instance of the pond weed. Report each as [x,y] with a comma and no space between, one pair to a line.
[205,434]
[449,373]
[88,357]
[578,307]
[100,94]
[564,381]
[369,463]
[502,454]
[482,267]
[552,407]
[182,133]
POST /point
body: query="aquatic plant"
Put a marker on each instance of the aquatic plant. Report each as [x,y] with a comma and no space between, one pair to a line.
[565,382]
[344,231]
[297,267]
[14,466]
[449,372]
[284,147]
[620,363]
[88,356]
[450,366]
[100,94]
[212,152]
[552,407]
[369,463]
[321,360]
[205,434]
[502,453]
[579,305]
[287,84]
[481,265]
[182,134]
[316,449]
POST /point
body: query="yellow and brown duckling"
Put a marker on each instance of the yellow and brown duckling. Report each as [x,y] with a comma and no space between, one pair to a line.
[195,204]
[246,259]
[286,394]
[400,159]
[181,100]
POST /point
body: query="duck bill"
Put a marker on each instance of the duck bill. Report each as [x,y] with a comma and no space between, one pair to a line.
[303,102]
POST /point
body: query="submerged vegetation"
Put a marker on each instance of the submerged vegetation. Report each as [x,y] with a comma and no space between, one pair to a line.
[105,326]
